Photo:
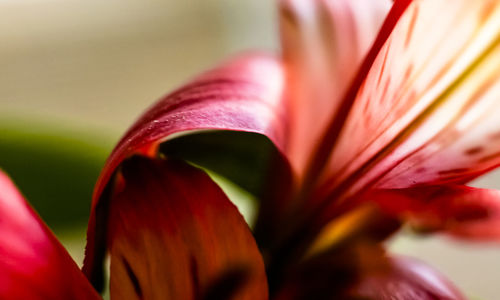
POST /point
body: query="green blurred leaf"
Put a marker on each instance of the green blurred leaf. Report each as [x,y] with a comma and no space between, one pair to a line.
[54,167]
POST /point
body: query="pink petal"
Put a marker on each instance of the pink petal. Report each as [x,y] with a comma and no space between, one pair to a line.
[362,270]
[244,95]
[173,234]
[405,278]
[426,112]
[324,42]
[461,211]
[33,264]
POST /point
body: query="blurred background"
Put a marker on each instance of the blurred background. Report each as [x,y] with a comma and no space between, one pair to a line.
[75,74]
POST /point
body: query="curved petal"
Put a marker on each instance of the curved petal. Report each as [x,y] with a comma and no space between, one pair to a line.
[324,42]
[173,234]
[427,102]
[33,264]
[244,95]
[461,211]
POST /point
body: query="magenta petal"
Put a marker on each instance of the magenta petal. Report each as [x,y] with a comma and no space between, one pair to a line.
[33,264]
[363,270]
[244,94]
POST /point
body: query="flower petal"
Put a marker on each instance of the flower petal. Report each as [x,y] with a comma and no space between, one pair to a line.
[173,234]
[428,102]
[461,211]
[34,264]
[363,270]
[324,42]
[404,278]
[243,96]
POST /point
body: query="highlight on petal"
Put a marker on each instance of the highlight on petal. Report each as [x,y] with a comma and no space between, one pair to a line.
[460,211]
[244,96]
[173,234]
[33,264]
[426,112]
[324,43]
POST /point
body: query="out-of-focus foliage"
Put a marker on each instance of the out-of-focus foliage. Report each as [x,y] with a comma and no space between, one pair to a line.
[55,167]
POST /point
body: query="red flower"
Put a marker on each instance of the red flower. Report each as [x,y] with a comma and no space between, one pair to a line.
[344,138]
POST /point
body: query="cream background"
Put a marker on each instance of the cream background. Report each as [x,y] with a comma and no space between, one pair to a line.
[99,64]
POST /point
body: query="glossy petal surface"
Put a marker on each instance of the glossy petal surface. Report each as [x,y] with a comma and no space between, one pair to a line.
[324,43]
[429,101]
[461,211]
[244,94]
[33,264]
[173,234]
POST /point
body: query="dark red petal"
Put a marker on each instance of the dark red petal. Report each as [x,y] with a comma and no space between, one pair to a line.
[173,234]
[404,279]
[33,264]
[243,95]
[324,43]
[461,211]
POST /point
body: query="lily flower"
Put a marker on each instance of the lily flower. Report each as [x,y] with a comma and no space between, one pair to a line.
[375,116]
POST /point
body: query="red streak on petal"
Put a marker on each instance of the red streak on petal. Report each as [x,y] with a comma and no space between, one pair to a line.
[329,141]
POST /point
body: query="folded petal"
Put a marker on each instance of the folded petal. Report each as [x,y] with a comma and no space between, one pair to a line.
[243,96]
[324,42]
[426,111]
[461,211]
[33,264]
[173,234]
